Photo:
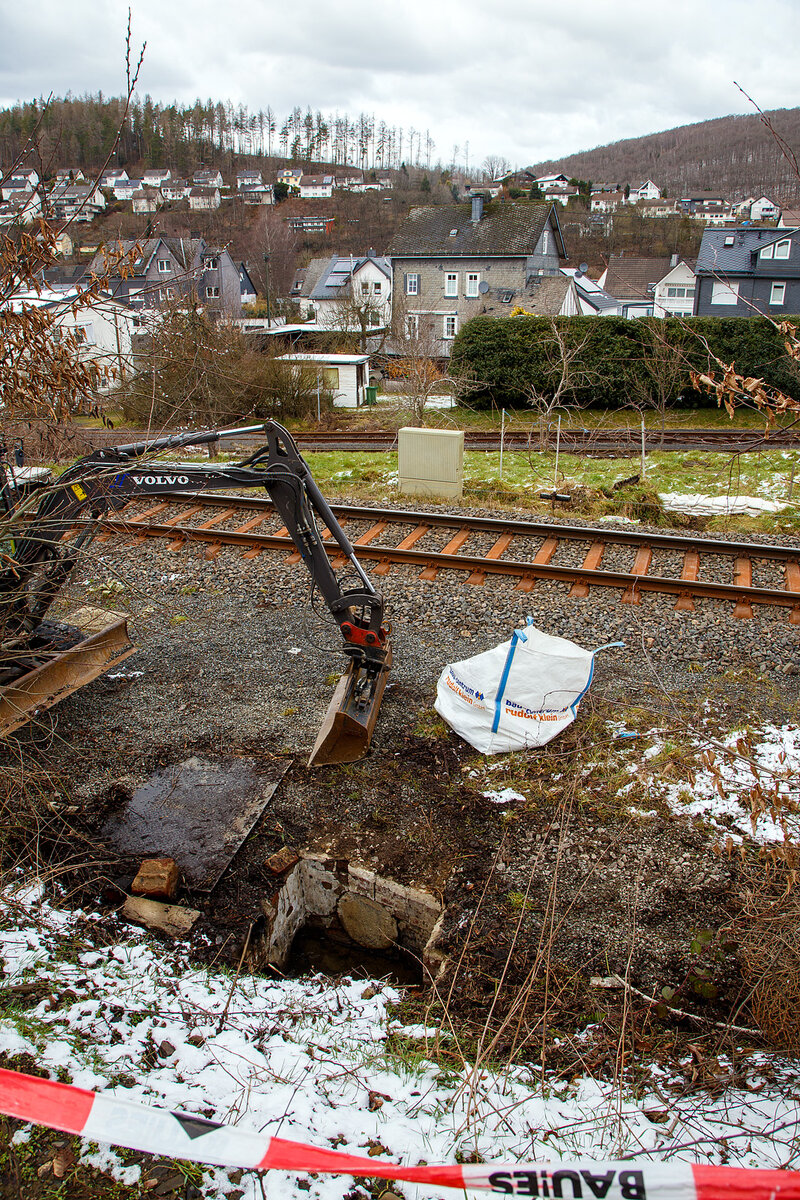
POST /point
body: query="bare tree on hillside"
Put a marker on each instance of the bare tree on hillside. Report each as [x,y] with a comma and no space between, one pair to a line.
[495,166]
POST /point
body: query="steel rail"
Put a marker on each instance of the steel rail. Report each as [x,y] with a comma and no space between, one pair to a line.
[607,534]
[629,581]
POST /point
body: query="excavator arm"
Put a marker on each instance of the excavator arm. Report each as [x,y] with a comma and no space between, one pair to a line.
[39,563]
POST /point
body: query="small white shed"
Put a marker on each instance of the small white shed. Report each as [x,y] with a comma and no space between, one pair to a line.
[345,375]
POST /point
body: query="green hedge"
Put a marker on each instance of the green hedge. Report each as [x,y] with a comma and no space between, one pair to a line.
[508,355]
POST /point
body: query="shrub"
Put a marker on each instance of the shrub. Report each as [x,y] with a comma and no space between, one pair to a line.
[192,371]
[508,355]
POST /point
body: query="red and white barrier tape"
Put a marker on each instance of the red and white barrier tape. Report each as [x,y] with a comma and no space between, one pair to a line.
[181,1135]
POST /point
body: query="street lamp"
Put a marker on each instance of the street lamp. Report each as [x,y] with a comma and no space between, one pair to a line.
[266,275]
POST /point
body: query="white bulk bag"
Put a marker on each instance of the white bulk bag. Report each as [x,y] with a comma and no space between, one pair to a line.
[518,695]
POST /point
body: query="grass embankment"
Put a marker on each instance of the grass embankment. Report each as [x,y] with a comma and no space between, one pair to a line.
[595,485]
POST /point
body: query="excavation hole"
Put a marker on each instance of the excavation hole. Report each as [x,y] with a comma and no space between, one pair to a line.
[330,952]
[335,917]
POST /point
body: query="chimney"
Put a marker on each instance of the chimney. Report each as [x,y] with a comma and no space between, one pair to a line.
[673,260]
[477,209]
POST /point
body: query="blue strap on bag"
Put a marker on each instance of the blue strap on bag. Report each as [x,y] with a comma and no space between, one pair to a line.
[519,635]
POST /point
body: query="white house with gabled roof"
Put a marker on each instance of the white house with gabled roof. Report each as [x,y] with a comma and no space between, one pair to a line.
[645,191]
[673,295]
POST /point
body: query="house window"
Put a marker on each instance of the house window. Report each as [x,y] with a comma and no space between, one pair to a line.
[546,241]
[330,378]
[766,252]
[412,285]
[164,265]
[450,328]
[451,283]
[473,282]
[373,318]
[376,287]
[211,264]
[212,292]
[724,293]
[170,293]
[777,293]
[364,289]
[412,326]
[782,249]
[84,334]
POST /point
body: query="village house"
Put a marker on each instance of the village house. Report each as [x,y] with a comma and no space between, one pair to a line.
[316,224]
[346,292]
[291,176]
[76,202]
[656,208]
[22,208]
[175,189]
[452,262]
[260,193]
[561,195]
[592,299]
[316,187]
[547,183]
[155,176]
[247,289]
[204,199]
[27,177]
[208,177]
[16,186]
[744,272]
[673,295]
[763,209]
[248,179]
[631,280]
[113,176]
[710,207]
[605,202]
[125,188]
[644,191]
[169,270]
[147,200]
[101,326]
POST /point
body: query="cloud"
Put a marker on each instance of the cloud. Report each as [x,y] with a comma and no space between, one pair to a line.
[523,78]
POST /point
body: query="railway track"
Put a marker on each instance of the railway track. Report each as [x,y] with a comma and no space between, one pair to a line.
[624,442]
[620,442]
[743,574]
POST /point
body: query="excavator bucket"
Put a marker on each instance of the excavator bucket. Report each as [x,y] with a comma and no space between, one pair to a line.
[346,732]
[99,640]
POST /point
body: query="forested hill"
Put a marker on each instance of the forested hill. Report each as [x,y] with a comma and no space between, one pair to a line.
[736,156]
[81,131]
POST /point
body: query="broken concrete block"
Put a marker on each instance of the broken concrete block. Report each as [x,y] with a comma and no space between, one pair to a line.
[367,922]
[166,918]
[157,877]
[282,860]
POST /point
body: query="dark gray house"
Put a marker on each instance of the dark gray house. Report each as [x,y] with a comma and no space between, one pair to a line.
[457,261]
[744,271]
[171,270]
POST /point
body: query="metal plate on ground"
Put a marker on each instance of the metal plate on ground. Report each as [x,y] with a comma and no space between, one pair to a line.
[198,812]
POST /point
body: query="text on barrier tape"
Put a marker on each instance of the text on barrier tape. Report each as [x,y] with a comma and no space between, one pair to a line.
[104,1118]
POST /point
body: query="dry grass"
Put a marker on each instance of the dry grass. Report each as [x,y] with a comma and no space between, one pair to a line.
[768,930]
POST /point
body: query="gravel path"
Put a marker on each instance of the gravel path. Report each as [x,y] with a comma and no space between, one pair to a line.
[231,660]
[230,650]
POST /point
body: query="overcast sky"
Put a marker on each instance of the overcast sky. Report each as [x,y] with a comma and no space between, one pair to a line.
[526,79]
